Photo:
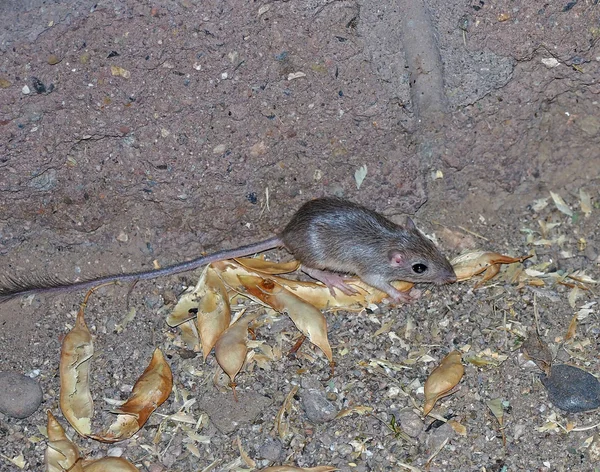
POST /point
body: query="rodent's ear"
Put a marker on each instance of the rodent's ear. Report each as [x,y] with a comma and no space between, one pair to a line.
[395,257]
[410,224]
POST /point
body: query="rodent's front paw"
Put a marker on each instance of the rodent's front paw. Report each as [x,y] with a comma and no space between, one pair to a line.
[402,298]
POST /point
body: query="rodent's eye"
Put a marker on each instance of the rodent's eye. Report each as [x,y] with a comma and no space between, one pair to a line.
[419,268]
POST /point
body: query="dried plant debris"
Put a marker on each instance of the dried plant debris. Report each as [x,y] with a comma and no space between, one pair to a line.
[106,464]
[314,293]
[63,455]
[214,313]
[149,392]
[75,361]
[207,305]
[538,351]
[561,204]
[308,319]
[282,420]
[472,263]
[262,266]
[572,389]
[231,348]
[442,380]
[496,406]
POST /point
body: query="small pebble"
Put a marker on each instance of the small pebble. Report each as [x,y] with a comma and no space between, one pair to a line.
[410,422]
[26,90]
[271,450]
[220,149]
[20,396]
[316,406]
[45,181]
[38,85]
[591,253]
[115,452]
[53,59]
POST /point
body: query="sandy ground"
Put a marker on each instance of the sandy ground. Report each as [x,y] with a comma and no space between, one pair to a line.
[133,132]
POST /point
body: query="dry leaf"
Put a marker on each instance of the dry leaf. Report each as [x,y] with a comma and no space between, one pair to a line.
[308,319]
[358,409]
[263,9]
[457,427]
[586,202]
[359,175]
[574,295]
[572,329]
[497,408]
[119,71]
[560,204]
[538,351]
[149,392]
[244,455]
[471,263]
[75,358]
[442,380]
[295,75]
[231,348]
[581,276]
[282,423]
[61,453]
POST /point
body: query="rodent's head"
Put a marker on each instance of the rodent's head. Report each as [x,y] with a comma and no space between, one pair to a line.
[419,260]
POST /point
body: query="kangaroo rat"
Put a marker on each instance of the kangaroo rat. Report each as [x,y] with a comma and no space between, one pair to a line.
[328,236]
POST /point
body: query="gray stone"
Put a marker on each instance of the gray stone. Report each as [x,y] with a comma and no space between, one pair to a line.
[20,396]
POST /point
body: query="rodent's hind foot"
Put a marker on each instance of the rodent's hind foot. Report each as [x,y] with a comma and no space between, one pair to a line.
[331,279]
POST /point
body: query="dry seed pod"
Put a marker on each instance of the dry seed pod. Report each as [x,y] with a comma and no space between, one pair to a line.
[471,263]
[149,392]
[314,293]
[109,464]
[75,358]
[442,380]
[187,304]
[231,348]
[61,453]
[214,313]
[189,335]
[305,316]
[261,266]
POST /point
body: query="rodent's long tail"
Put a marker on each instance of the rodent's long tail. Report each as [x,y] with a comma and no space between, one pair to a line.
[11,287]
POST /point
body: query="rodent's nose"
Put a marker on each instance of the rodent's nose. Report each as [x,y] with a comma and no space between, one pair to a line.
[450,277]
